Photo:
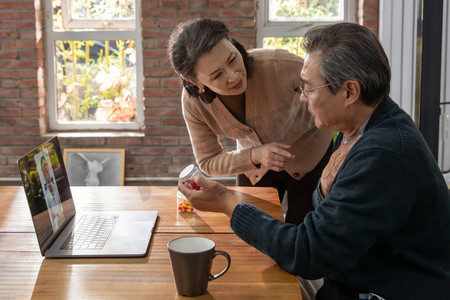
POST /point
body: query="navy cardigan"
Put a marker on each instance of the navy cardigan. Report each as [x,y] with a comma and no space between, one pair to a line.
[384,226]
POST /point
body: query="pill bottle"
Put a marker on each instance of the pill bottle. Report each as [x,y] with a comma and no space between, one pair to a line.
[187,175]
[183,204]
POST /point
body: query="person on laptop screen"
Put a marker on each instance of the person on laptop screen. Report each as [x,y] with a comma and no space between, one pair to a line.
[50,189]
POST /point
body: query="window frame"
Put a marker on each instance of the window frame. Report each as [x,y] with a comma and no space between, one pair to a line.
[98,24]
[268,28]
[98,35]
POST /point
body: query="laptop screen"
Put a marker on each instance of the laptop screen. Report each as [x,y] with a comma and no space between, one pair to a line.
[47,189]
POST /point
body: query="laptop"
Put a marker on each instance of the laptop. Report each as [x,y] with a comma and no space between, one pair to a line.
[62,231]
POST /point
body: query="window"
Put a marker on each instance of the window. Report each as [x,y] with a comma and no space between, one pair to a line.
[94,65]
[282,23]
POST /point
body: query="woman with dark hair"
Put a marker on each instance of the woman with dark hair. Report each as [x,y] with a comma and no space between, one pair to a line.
[250,97]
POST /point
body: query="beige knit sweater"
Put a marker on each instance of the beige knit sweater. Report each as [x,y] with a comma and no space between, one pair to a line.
[273,113]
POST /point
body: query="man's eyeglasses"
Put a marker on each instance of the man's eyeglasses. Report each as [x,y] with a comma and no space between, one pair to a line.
[306,92]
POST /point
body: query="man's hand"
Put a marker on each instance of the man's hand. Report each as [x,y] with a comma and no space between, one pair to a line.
[212,196]
[274,156]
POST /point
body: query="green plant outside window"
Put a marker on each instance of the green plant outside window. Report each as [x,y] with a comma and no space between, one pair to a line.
[95,79]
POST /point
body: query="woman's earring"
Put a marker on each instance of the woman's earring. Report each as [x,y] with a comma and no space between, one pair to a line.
[201,90]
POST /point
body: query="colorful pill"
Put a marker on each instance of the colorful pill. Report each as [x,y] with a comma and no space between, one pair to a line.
[184,206]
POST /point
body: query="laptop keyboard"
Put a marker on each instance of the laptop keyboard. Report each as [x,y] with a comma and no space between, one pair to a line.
[92,233]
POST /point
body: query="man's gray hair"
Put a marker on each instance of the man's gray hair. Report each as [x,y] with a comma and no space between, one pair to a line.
[351,52]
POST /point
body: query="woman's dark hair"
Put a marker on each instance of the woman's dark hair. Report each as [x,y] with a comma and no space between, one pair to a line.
[189,41]
[351,52]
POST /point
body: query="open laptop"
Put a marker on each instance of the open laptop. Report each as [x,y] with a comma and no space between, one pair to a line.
[60,230]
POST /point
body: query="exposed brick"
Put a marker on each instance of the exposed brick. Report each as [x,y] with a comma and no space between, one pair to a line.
[28,35]
[153,141]
[8,15]
[18,24]
[29,83]
[148,151]
[19,64]
[17,5]
[247,4]
[161,112]
[155,54]
[90,141]
[10,112]
[171,83]
[27,15]
[146,171]
[34,131]
[10,54]
[199,3]
[9,93]
[179,151]
[172,102]
[170,141]
[5,131]
[151,83]
[19,45]
[152,121]
[146,160]
[13,150]
[19,103]
[5,35]
[221,4]
[30,112]
[241,13]
[165,147]
[160,93]
[168,14]
[182,160]
[9,83]
[30,93]
[131,141]
[8,170]
[161,131]
[370,3]
[22,122]
[16,140]
[173,121]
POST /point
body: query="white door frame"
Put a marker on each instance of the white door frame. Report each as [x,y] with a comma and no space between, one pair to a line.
[398,35]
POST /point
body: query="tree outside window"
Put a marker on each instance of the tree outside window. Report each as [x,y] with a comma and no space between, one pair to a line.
[282,23]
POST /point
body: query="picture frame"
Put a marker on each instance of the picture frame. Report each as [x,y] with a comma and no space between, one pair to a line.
[94,167]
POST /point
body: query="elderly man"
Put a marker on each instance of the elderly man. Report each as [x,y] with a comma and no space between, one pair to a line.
[381,224]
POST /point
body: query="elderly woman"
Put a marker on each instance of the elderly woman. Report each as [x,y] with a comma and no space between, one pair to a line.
[249,97]
[381,224]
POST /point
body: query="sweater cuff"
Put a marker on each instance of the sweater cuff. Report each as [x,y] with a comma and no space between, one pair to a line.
[244,159]
[242,219]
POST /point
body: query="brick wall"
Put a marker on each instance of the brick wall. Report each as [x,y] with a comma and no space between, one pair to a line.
[368,14]
[165,148]
[21,81]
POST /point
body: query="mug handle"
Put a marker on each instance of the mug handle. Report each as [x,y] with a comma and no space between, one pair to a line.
[227,256]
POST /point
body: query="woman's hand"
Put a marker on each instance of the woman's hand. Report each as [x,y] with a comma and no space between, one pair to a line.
[212,196]
[274,156]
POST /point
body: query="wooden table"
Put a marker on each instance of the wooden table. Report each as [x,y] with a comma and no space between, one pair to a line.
[24,274]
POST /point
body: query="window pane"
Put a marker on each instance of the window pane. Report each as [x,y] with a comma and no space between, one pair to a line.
[99,14]
[95,81]
[305,10]
[101,10]
[291,44]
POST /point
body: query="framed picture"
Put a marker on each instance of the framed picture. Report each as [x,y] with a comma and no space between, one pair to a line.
[93,167]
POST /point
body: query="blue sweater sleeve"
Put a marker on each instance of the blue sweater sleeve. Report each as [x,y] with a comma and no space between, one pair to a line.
[367,202]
